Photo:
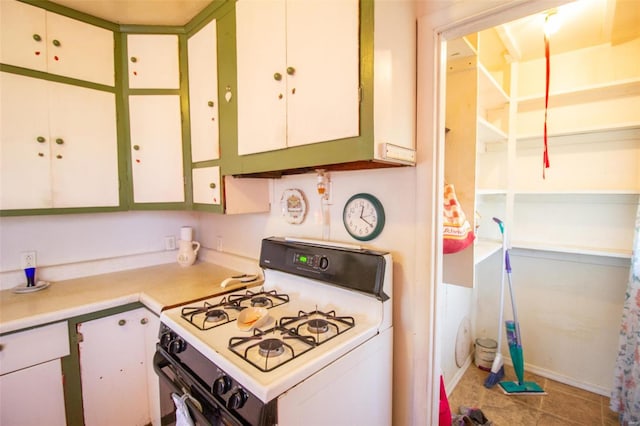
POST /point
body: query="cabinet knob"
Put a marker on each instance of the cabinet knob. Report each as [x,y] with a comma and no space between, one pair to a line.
[277,76]
[41,139]
[143,321]
[212,185]
[60,141]
[40,154]
[134,59]
[136,147]
[291,70]
[210,103]
[59,157]
[56,43]
[1,347]
[122,322]
[37,37]
[280,96]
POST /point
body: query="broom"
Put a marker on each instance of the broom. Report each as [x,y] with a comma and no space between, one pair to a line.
[514,338]
[497,368]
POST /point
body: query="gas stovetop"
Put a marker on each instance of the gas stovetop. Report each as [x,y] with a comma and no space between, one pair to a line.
[317,312]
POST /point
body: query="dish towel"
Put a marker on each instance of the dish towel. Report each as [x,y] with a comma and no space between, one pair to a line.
[183,418]
[625,395]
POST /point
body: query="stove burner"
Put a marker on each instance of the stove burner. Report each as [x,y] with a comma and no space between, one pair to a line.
[318,326]
[271,348]
[260,301]
[216,315]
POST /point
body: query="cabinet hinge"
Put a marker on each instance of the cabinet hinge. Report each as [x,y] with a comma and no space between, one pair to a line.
[360,94]
[79,337]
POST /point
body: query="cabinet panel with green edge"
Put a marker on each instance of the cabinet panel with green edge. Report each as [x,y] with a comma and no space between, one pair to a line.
[41,40]
[67,156]
[395,109]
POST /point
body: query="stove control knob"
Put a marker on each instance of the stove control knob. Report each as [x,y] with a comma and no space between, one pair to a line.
[176,346]
[221,385]
[166,338]
[237,399]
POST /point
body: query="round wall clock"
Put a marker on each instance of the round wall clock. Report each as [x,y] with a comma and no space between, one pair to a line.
[363,217]
[294,207]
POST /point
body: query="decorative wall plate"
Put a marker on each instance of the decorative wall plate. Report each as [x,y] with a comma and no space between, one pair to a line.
[293,205]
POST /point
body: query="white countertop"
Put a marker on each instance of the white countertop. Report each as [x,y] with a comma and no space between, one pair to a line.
[157,287]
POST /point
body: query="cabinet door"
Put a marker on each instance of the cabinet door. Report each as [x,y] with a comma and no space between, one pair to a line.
[206,185]
[34,38]
[156,148]
[79,50]
[84,152]
[261,56]
[113,368]
[40,385]
[323,70]
[153,61]
[25,176]
[203,94]
[23,36]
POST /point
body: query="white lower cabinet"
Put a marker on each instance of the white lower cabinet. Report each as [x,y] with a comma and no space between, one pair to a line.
[119,386]
[31,373]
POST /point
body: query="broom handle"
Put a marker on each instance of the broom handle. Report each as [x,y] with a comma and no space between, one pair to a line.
[513,302]
[502,280]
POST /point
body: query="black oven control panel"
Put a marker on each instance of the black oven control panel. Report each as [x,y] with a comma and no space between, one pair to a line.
[313,261]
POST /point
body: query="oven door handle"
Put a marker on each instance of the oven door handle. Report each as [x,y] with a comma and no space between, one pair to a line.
[162,359]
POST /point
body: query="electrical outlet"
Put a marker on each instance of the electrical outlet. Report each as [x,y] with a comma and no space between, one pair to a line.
[170,243]
[28,259]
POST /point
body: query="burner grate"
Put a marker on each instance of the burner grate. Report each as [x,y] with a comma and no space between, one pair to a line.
[321,326]
[267,350]
[208,315]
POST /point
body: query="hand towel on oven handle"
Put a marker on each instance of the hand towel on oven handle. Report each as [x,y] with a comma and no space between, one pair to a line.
[183,418]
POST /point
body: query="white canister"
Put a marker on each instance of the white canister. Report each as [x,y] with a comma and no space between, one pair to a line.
[186,233]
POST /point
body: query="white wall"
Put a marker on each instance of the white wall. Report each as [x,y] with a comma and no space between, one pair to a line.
[569,308]
[80,238]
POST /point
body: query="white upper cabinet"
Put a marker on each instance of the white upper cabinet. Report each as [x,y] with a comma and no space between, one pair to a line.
[206,185]
[33,38]
[156,148]
[298,73]
[203,94]
[58,145]
[153,61]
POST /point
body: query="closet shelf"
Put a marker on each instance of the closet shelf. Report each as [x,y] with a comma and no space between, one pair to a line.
[558,248]
[483,248]
[619,131]
[591,93]
[490,94]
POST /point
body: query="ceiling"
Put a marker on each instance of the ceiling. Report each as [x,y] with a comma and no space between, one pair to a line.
[584,22]
[140,12]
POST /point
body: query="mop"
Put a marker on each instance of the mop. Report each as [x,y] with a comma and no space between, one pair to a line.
[497,368]
[514,339]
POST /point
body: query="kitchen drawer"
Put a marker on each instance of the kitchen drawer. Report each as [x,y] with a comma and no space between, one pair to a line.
[35,346]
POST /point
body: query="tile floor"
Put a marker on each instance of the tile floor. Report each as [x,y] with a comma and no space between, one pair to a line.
[563,404]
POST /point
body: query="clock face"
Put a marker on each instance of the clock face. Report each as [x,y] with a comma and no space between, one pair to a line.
[363,217]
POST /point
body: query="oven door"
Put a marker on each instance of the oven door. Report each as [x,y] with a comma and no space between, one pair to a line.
[203,409]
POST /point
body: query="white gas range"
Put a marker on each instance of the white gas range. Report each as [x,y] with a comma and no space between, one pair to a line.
[321,355]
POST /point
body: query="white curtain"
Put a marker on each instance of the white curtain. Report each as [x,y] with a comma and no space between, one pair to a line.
[625,396]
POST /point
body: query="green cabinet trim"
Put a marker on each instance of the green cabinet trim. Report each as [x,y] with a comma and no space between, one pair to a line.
[357,150]
[71,363]
[55,78]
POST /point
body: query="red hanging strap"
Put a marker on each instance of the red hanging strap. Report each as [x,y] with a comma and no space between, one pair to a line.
[545,157]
